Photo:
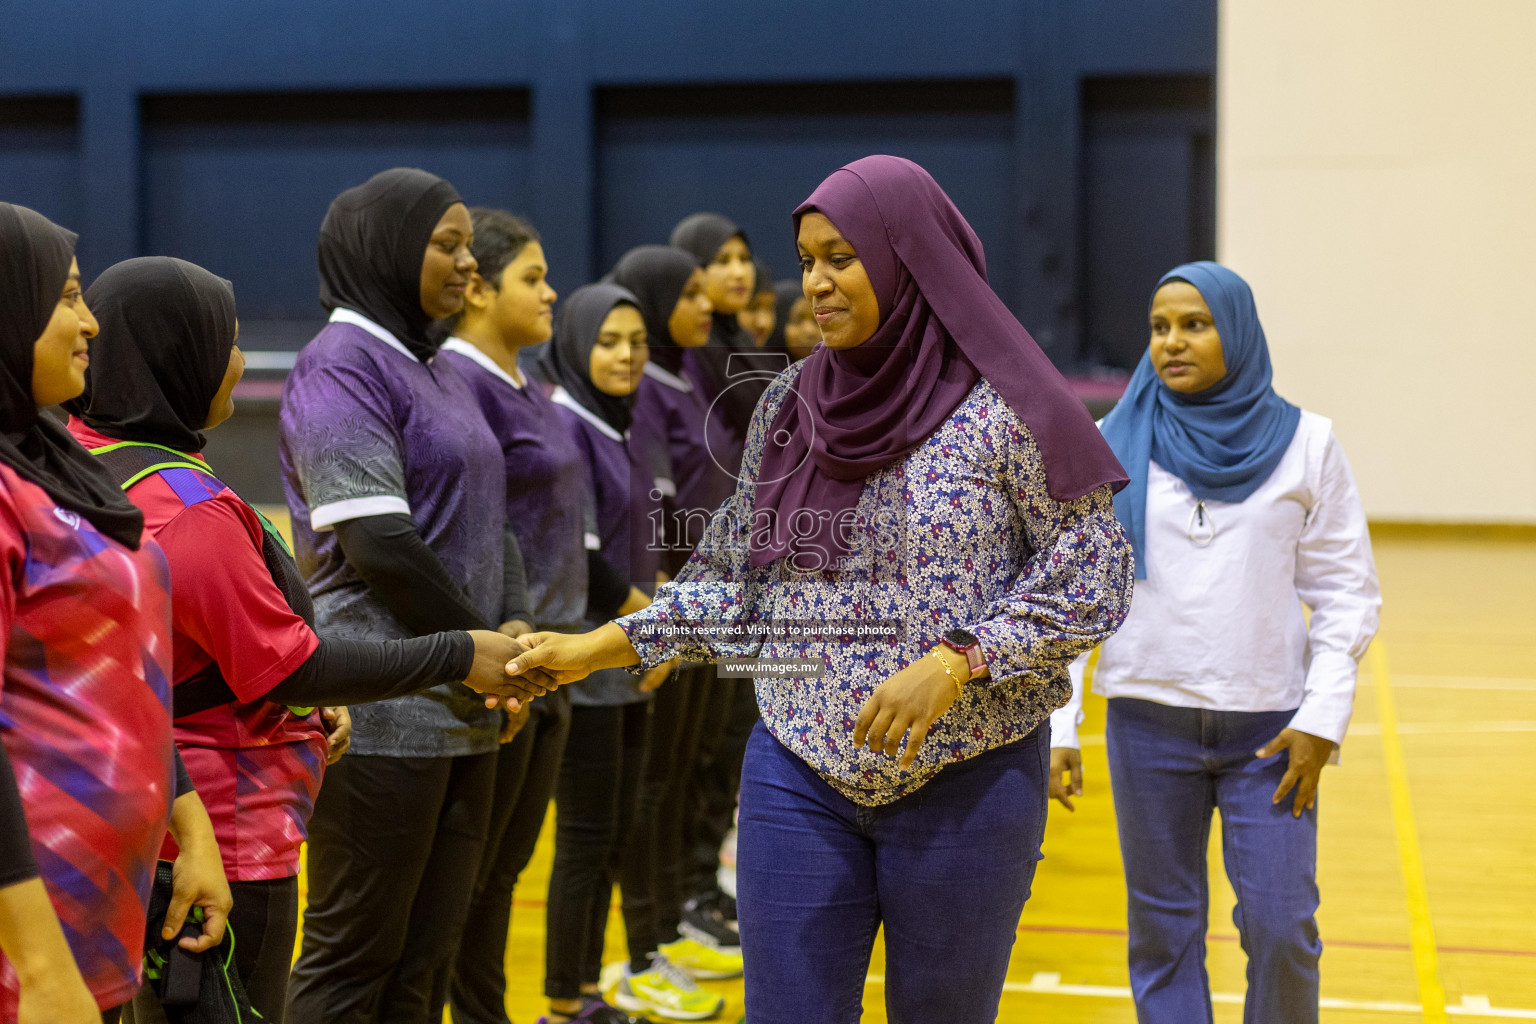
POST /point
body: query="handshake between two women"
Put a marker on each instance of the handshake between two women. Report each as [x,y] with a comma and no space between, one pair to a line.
[511,670]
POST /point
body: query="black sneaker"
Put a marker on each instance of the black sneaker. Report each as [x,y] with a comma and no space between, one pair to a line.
[595,1011]
[704,923]
[727,905]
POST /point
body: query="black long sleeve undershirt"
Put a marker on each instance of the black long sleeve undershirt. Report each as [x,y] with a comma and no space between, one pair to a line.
[362,671]
[183,777]
[16,863]
[607,589]
[411,581]
[514,582]
[405,575]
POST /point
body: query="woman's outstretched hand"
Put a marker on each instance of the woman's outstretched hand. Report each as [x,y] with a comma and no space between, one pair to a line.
[562,658]
[912,699]
[1308,755]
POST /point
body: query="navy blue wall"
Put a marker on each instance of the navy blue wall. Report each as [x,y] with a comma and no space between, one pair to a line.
[218,132]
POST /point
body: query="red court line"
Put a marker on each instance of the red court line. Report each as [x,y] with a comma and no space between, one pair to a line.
[1120,933]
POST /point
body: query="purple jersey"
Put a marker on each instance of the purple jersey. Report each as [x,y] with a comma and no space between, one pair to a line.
[627,476]
[671,407]
[545,488]
[367,429]
[724,443]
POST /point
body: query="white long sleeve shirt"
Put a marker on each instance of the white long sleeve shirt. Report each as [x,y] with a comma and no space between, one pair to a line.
[1218,622]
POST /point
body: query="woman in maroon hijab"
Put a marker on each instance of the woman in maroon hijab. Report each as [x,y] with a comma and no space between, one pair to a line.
[922,539]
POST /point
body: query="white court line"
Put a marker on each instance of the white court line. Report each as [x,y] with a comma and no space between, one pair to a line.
[1096,739]
[1438,728]
[1049,984]
[1422,682]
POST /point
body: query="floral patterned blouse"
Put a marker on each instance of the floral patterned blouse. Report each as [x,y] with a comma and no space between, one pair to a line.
[960,533]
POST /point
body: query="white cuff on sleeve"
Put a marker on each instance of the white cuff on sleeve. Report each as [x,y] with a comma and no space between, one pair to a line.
[1329,699]
[1066,719]
[327,516]
[1064,723]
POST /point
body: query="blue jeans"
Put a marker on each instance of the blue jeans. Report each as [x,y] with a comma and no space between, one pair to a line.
[1169,768]
[946,869]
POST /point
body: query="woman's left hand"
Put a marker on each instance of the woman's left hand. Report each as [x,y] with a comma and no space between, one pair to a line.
[1308,755]
[338,733]
[912,699]
[197,876]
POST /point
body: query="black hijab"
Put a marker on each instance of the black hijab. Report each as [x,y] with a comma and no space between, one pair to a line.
[656,275]
[702,234]
[762,280]
[568,360]
[35,255]
[371,247]
[765,283]
[785,295]
[167,328]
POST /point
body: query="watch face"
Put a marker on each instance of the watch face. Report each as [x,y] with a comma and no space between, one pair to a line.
[961,637]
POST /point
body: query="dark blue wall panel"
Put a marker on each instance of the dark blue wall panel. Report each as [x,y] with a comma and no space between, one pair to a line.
[240,184]
[40,155]
[755,154]
[1147,202]
[243,191]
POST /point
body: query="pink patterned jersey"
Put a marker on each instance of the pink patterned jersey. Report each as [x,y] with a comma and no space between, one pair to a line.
[256,765]
[85,718]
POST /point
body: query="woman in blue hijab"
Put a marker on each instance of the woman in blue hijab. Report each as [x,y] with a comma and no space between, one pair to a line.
[1222,695]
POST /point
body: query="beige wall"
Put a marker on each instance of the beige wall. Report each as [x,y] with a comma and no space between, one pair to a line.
[1377,187]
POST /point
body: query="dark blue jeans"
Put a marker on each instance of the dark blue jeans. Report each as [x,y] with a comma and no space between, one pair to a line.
[1169,768]
[946,869]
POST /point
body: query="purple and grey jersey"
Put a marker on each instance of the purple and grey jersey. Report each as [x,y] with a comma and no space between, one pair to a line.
[367,429]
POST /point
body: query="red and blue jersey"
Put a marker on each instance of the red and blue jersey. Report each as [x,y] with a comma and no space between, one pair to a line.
[256,765]
[85,718]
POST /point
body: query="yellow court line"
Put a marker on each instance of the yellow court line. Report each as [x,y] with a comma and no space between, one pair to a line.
[1426,961]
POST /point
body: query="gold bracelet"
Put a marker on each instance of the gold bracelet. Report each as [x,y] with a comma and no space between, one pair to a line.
[959,687]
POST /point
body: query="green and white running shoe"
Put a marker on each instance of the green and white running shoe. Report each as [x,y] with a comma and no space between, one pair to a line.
[703,962]
[665,990]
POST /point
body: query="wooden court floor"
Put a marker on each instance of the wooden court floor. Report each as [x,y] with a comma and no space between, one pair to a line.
[1427,838]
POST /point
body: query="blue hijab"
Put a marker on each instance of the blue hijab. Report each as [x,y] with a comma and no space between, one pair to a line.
[1224,441]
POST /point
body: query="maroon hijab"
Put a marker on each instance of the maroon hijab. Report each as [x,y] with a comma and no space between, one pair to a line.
[941,329]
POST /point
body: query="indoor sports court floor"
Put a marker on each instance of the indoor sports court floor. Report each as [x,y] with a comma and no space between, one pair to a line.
[1427,845]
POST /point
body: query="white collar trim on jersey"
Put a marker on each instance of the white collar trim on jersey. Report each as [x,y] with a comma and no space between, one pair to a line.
[341,315]
[469,351]
[668,378]
[563,397]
